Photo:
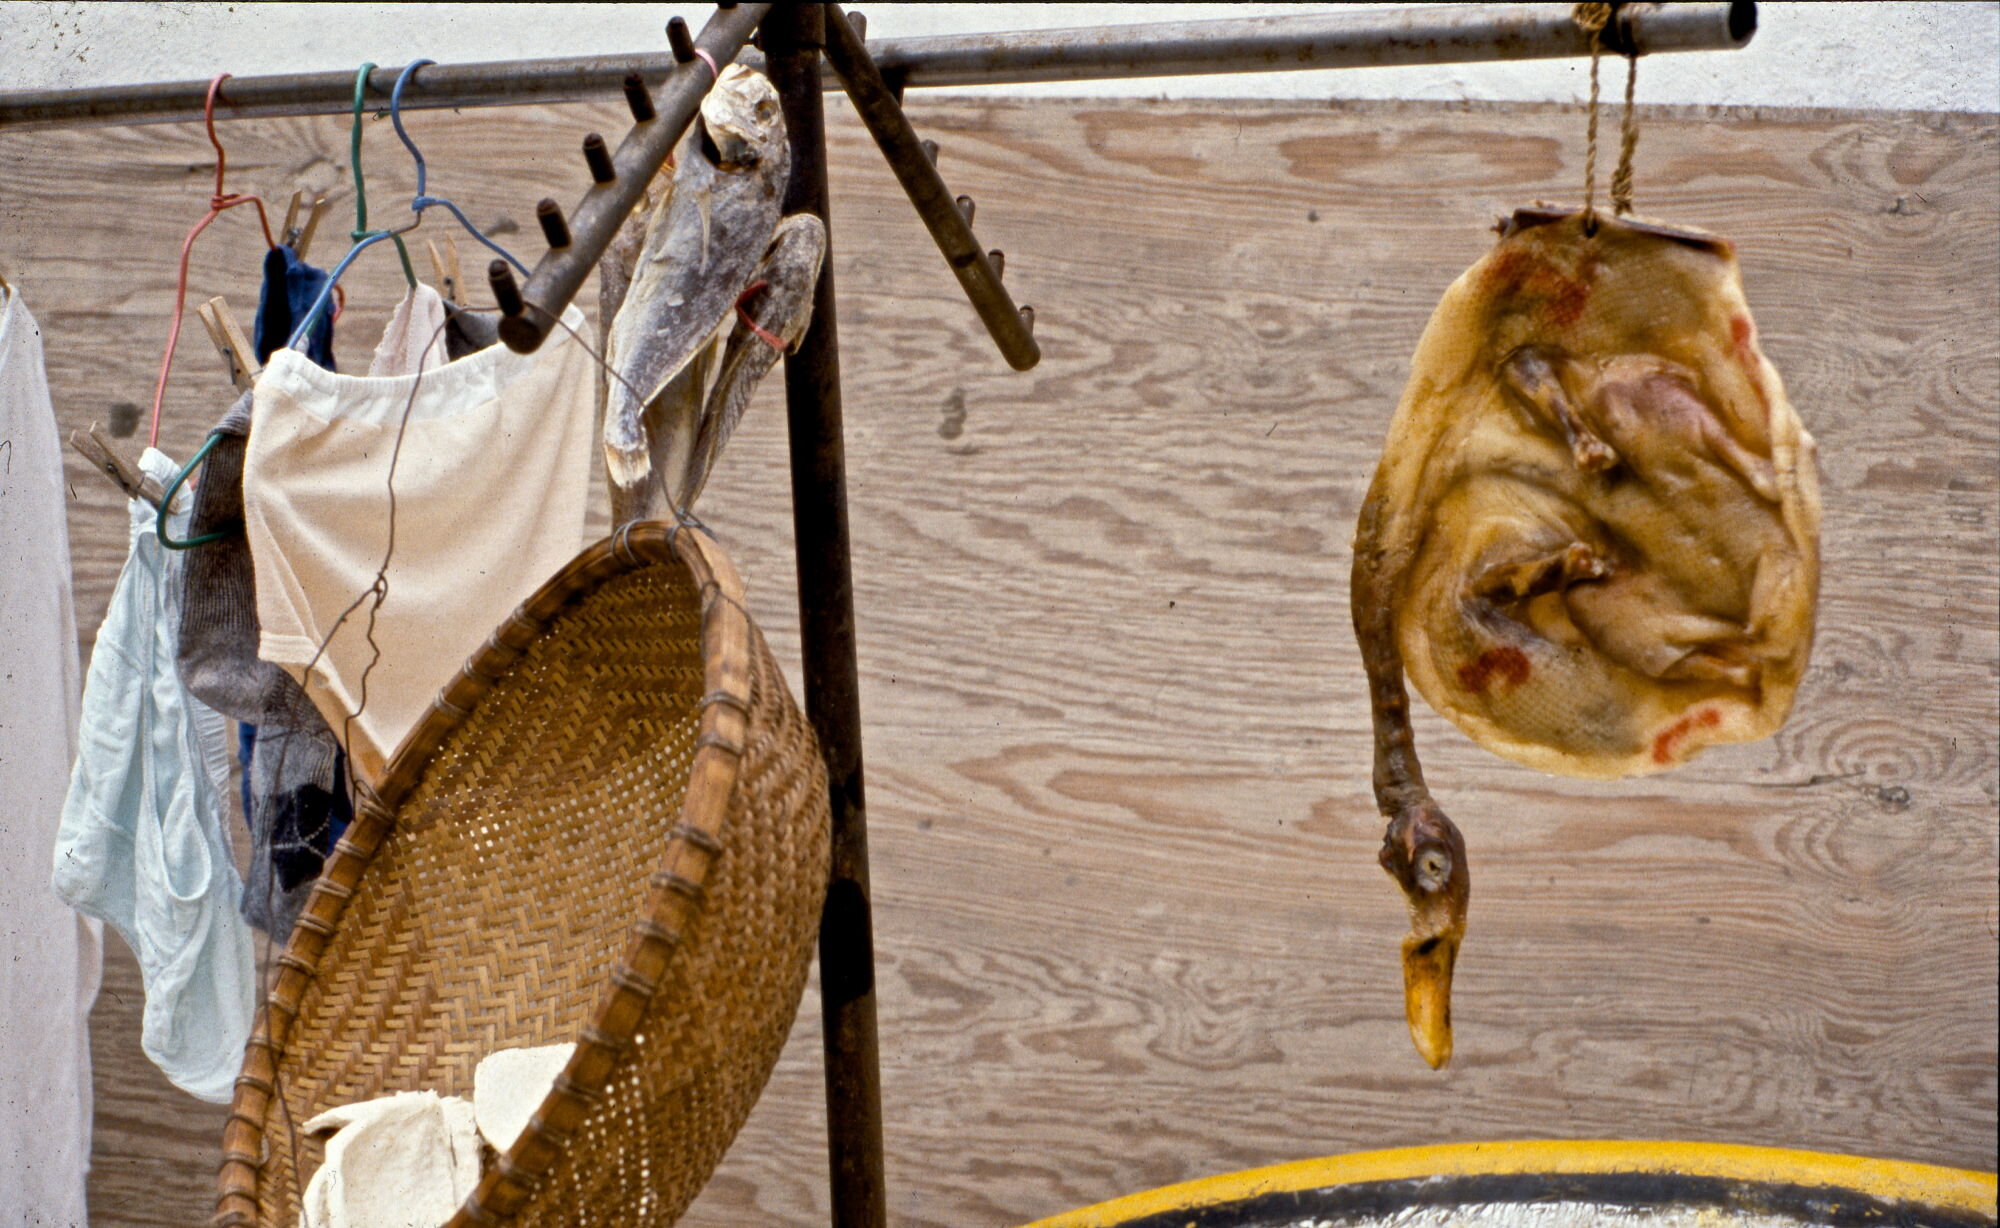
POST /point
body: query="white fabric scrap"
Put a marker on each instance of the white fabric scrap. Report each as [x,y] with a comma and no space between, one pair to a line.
[412,1159]
[508,1086]
[403,1161]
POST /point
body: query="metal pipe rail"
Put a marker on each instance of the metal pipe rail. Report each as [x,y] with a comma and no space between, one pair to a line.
[1359,38]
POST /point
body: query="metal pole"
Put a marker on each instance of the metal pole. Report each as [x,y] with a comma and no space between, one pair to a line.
[949,223]
[792,37]
[1344,38]
[1353,38]
[603,209]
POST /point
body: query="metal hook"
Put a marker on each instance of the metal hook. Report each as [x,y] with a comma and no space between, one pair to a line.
[217,202]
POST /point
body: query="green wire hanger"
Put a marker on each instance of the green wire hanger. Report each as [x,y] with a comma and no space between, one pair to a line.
[167,500]
[361,230]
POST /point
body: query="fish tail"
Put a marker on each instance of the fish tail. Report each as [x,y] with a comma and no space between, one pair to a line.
[627,456]
[627,467]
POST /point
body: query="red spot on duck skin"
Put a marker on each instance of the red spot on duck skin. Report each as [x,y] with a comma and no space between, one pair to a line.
[1509,665]
[1521,273]
[1668,741]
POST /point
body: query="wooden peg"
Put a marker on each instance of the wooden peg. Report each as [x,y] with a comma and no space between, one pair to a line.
[312,225]
[506,291]
[444,266]
[230,342]
[680,40]
[126,476]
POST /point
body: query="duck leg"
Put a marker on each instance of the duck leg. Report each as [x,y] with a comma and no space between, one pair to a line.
[1421,849]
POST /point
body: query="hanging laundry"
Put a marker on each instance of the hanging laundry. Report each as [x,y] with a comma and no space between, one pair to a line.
[290,286]
[491,487]
[49,956]
[295,792]
[141,844]
[414,338]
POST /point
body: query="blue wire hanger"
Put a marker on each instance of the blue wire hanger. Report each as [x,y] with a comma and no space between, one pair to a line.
[422,201]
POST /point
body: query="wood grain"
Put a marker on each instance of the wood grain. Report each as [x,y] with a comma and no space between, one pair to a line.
[1130,926]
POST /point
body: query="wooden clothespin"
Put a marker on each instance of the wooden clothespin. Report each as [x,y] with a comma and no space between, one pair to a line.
[128,477]
[237,353]
[444,264]
[305,236]
[298,232]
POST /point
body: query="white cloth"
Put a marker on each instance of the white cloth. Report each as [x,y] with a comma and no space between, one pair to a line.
[415,332]
[411,1159]
[49,956]
[492,482]
[510,1085]
[403,1161]
[141,843]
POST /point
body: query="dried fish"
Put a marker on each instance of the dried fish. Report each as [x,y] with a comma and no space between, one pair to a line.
[621,259]
[782,307]
[701,248]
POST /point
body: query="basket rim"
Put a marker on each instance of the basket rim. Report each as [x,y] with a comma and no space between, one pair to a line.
[675,896]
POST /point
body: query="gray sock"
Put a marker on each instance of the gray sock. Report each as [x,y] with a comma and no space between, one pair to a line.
[294,779]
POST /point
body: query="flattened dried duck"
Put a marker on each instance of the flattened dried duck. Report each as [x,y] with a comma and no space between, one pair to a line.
[1592,540]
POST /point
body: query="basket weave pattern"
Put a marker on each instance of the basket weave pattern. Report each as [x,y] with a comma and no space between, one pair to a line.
[612,829]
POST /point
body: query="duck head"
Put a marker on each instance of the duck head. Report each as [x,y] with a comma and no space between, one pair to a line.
[1423,851]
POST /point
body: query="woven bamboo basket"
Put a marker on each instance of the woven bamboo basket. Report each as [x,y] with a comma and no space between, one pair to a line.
[611,829]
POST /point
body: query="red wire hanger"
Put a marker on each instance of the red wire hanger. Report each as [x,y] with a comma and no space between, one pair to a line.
[219,201]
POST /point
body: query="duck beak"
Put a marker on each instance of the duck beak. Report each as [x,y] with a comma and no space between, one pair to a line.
[1427,964]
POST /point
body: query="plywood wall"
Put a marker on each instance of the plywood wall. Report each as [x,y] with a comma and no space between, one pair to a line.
[1130,926]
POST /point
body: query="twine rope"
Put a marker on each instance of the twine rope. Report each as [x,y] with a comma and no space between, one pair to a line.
[1592,19]
[1628,143]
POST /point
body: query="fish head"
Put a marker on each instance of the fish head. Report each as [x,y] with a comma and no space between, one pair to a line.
[742,126]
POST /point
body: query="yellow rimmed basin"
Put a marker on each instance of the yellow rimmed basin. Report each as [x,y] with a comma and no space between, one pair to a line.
[1562,1183]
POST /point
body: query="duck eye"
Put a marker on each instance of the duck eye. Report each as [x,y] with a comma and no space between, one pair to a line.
[1433,867]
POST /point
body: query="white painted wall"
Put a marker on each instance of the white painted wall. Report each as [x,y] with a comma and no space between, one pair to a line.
[1901,56]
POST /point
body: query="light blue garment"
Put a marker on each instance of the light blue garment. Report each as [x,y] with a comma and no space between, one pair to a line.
[142,843]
